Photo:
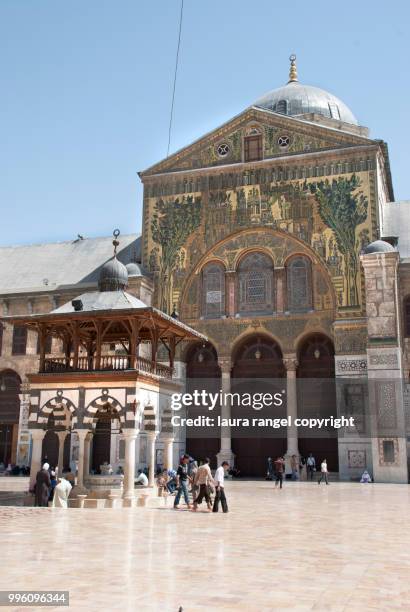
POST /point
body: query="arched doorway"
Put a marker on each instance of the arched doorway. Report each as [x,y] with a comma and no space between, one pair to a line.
[257,369]
[50,443]
[203,372]
[107,423]
[317,397]
[10,383]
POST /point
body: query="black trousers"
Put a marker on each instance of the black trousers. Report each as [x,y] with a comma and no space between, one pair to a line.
[323,475]
[310,471]
[279,478]
[220,497]
[203,492]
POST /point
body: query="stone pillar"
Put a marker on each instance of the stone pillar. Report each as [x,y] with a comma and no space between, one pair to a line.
[384,362]
[130,435]
[23,439]
[61,439]
[291,365]
[225,454]
[82,434]
[169,453]
[37,436]
[151,437]
[87,453]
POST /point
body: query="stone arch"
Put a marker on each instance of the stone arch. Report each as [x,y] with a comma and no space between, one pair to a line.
[307,333]
[249,251]
[278,243]
[242,338]
[61,407]
[267,351]
[100,403]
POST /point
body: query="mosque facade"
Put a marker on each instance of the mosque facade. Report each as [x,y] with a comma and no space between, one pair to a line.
[277,238]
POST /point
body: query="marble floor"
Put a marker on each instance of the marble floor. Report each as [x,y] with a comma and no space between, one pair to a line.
[341,547]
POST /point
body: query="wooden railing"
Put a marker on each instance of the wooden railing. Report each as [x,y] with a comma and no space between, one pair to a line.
[106,363]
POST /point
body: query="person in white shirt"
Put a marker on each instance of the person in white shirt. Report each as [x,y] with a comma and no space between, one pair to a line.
[141,479]
[219,479]
[61,493]
[323,472]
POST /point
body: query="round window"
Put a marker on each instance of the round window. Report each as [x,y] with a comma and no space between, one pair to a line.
[283,141]
[223,149]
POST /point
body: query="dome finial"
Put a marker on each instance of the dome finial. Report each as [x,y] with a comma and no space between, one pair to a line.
[293,74]
[116,242]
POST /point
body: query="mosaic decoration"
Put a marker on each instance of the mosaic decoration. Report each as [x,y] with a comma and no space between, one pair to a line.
[356,458]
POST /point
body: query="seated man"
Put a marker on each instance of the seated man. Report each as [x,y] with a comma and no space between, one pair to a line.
[141,479]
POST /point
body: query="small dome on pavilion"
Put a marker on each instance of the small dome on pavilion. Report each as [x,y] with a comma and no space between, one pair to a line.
[113,275]
[378,246]
[134,269]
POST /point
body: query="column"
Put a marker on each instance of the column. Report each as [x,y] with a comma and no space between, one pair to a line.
[169,453]
[87,452]
[37,436]
[225,454]
[151,437]
[130,435]
[61,439]
[291,365]
[82,434]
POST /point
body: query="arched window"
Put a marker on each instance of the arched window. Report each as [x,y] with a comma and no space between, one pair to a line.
[299,285]
[213,290]
[282,107]
[255,280]
[406,316]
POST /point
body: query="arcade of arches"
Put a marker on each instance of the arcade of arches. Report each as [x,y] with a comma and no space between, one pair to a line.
[258,365]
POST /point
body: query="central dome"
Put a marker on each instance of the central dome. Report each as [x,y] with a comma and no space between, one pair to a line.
[296,99]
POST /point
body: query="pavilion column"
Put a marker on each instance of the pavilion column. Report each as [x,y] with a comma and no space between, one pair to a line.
[151,437]
[87,452]
[37,436]
[291,365]
[82,434]
[225,454]
[168,452]
[61,439]
[130,436]
[42,347]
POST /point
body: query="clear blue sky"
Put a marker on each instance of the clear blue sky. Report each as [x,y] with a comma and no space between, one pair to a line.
[85,92]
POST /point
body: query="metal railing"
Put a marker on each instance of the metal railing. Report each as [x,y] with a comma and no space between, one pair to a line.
[106,363]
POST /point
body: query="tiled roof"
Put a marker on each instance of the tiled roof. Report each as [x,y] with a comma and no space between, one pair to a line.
[53,265]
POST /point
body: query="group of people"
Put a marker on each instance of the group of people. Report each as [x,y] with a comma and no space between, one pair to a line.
[197,481]
[276,469]
[13,469]
[49,487]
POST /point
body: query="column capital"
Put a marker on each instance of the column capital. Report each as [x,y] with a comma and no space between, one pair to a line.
[82,433]
[62,434]
[168,439]
[225,364]
[37,434]
[130,433]
[152,434]
[290,362]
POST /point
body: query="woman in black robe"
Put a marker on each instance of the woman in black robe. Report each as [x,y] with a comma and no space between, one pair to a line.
[43,484]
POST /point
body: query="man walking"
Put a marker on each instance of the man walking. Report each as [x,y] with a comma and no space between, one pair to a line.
[279,469]
[311,466]
[182,482]
[219,487]
[323,472]
[203,478]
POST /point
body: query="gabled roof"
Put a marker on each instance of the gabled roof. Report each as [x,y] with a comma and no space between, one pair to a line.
[53,265]
[336,136]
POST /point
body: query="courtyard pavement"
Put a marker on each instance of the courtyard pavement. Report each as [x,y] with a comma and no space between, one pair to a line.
[344,546]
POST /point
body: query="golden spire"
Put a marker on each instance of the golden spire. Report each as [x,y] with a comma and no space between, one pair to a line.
[293,75]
